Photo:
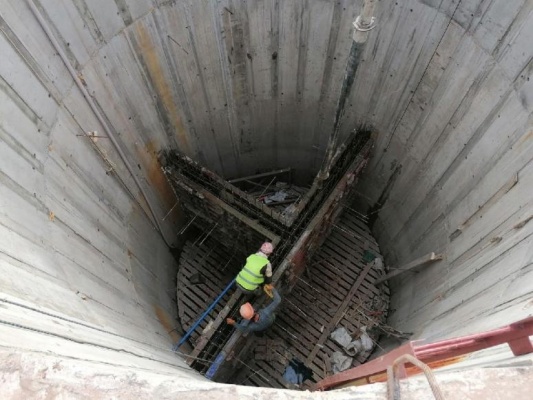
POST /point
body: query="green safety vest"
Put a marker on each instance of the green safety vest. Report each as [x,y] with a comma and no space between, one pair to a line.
[250,276]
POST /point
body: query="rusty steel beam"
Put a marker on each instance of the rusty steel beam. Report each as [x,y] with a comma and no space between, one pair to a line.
[516,335]
[320,224]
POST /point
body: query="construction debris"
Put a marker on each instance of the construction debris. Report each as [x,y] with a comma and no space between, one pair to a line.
[350,346]
[296,372]
[340,362]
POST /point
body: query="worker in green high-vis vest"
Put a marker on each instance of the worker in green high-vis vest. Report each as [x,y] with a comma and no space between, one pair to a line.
[257,271]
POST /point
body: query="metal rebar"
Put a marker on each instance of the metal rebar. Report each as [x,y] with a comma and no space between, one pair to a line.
[94,136]
[233,254]
[265,174]
[347,231]
[270,183]
[360,215]
[168,213]
[253,183]
[208,234]
[298,308]
[189,224]
[249,208]
[250,368]
[286,331]
[198,238]
[312,287]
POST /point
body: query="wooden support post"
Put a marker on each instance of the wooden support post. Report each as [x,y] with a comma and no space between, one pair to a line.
[413,264]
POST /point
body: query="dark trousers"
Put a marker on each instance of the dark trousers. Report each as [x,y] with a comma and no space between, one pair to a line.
[249,294]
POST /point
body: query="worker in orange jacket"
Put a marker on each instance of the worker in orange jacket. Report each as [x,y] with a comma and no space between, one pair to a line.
[259,320]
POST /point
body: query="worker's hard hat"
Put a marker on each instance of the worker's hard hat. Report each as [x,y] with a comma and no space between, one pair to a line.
[247,311]
[267,248]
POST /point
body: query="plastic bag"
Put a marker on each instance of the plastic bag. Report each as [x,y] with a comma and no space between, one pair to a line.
[341,336]
[340,362]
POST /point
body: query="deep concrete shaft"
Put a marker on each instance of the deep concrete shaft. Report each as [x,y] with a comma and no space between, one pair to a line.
[243,88]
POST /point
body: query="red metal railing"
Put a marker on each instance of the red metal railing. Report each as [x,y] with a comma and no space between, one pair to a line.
[437,354]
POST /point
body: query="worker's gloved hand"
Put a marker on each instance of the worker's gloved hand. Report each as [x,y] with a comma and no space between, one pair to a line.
[268,290]
[230,321]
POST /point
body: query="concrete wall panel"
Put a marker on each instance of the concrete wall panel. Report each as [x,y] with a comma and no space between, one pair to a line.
[245,87]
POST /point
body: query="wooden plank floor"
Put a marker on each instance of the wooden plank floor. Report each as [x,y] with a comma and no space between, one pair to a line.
[213,263]
[311,305]
[304,313]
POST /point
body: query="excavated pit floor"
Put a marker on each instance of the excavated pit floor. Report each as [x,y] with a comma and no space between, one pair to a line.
[318,303]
